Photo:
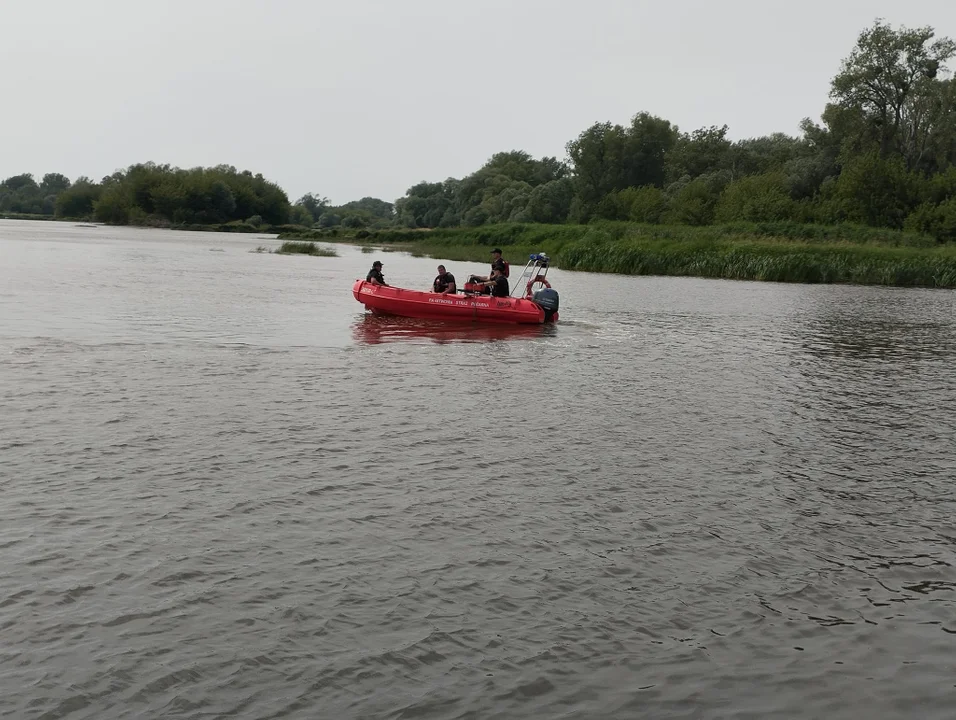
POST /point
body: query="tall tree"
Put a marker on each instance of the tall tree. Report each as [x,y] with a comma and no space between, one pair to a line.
[891,81]
[608,158]
[54,184]
[314,204]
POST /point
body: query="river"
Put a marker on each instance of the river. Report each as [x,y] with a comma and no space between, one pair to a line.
[225,491]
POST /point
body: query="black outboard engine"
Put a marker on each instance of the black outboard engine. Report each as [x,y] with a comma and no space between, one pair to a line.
[547,300]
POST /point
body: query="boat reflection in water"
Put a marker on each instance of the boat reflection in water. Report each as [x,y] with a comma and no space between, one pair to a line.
[371,329]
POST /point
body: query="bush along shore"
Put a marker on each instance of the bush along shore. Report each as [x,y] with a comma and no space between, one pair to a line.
[292,247]
[776,252]
[865,194]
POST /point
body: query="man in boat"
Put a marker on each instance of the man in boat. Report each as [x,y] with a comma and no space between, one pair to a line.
[445,282]
[497,263]
[498,284]
[375,274]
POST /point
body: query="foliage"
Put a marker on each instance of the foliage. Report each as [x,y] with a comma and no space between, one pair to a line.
[891,81]
[608,158]
[781,252]
[767,261]
[703,151]
[693,203]
[877,191]
[756,198]
[646,204]
[305,248]
[428,205]
[939,221]
[22,194]
[882,155]
[77,201]
[314,205]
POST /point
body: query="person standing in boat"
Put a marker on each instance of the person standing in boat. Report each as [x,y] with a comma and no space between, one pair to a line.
[444,283]
[497,263]
[375,274]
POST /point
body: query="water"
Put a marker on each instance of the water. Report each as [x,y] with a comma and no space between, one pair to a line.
[226,492]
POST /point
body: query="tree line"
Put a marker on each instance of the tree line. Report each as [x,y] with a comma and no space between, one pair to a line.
[883,154]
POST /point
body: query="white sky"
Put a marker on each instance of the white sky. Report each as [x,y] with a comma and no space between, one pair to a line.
[348,98]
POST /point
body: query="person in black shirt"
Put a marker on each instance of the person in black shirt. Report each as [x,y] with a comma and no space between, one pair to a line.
[498,284]
[375,274]
[497,263]
[444,282]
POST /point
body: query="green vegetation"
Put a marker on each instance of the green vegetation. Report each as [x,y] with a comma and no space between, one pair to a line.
[867,194]
[23,197]
[305,248]
[770,261]
[780,252]
[883,157]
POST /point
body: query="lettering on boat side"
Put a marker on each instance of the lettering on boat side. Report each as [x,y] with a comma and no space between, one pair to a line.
[443,301]
[504,303]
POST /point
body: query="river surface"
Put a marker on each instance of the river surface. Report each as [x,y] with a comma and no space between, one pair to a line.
[225,491]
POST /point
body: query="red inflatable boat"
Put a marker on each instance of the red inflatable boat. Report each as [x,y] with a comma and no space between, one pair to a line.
[535,308]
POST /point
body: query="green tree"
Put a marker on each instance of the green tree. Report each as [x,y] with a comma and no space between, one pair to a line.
[756,198]
[607,158]
[425,204]
[550,202]
[889,83]
[936,220]
[54,184]
[693,203]
[78,200]
[500,189]
[704,151]
[21,182]
[147,192]
[21,194]
[765,154]
[877,191]
[113,205]
[301,216]
[314,205]
[646,204]
[370,207]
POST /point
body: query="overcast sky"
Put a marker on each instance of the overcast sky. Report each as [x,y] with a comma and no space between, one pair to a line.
[347,98]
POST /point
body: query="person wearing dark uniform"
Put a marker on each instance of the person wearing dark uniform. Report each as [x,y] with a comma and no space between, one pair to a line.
[498,284]
[375,274]
[444,282]
[497,264]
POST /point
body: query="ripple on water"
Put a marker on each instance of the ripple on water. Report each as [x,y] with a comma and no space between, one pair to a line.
[729,499]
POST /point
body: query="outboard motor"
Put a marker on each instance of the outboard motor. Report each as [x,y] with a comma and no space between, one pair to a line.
[547,300]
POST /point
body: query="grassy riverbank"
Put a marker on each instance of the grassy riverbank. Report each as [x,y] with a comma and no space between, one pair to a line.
[778,252]
[24,216]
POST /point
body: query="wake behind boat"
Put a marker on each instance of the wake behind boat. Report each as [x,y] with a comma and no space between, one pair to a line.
[536,307]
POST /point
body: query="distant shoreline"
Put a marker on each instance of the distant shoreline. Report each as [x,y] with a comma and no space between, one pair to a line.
[770,252]
[233,227]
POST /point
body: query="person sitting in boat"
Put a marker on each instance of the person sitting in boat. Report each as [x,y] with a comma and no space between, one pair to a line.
[497,263]
[375,274]
[498,284]
[445,282]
